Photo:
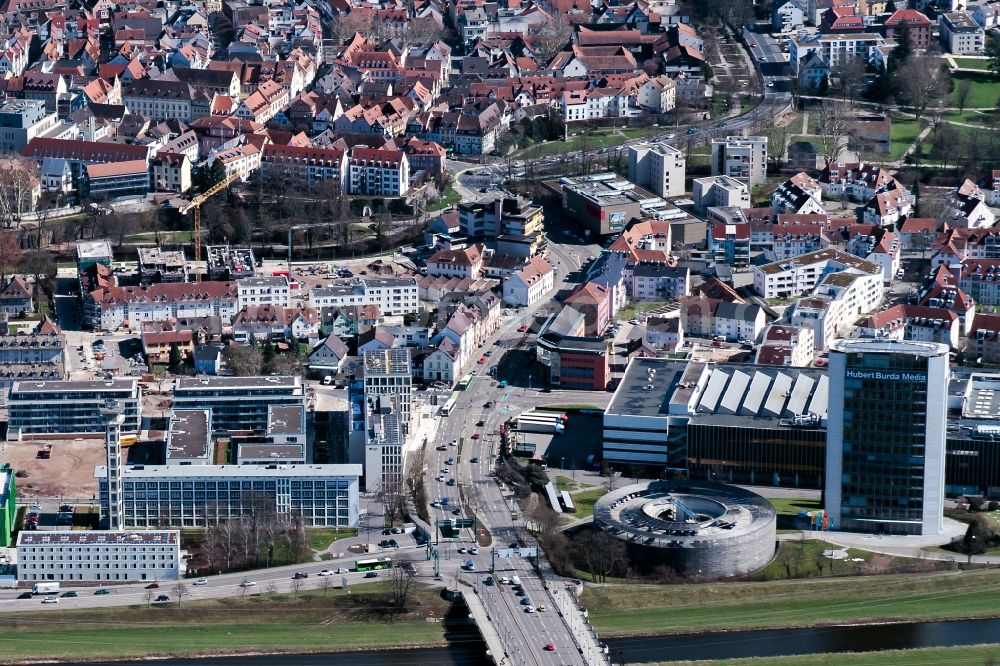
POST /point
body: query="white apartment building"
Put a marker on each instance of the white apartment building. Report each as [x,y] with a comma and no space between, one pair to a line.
[377,172]
[835,49]
[960,34]
[265,290]
[741,157]
[528,285]
[72,556]
[719,191]
[658,167]
[389,372]
[798,275]
[393,296]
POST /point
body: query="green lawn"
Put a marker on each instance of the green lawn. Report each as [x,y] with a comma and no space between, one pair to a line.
[321,537]
[165,236]
[636,308]
[449,198]
[904,133]
[585,502]
[973,655]
[657,609]
[590,141]
[972,63]
[789,507]
[983,94]
[973,117]
[310,621]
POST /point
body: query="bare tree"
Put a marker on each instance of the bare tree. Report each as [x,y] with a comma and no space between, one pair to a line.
[325,583]
[551,38]
[243,360]
[180,589]
[921,82]
[20,186]
[962,93]
[149,597]
[832,130]
[297,585]
[600,552]
[778,139]
[271,588]
[10,255]
[400,579]
[393,502]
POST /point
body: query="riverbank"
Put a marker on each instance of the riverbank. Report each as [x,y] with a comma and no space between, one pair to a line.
[311,621]
[649,610]
[976,655]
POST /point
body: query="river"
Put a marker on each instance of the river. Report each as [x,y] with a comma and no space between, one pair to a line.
[469,651]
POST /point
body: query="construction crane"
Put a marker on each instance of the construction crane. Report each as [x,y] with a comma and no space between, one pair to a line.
[196,204]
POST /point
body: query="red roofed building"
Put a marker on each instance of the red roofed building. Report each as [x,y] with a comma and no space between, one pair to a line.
[841,20]
[941,290]
[918,24]
[786,345]
[302,165]
[730,243]
[984,339]
[378,172]
[594,301]
[156,345]
[122,307]
[113,180]
[912,322]
[466,262]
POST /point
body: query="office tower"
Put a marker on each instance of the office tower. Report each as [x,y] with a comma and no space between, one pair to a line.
[885,452]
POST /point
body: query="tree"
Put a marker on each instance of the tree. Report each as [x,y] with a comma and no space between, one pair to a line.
[778,139]
[962,93]
[976,537]
[943,141]
[180,589]
[19,178]
[242,360]
[175,362]
[551,38]
[921,82]
[992,51]
[213,175]
[10,255]
[600,552]
[832,128]
[149,597]
[325,583]
[400,580]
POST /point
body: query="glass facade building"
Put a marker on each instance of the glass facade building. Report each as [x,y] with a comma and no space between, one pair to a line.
[885,454]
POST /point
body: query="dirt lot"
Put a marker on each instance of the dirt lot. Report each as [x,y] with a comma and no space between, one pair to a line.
[68,473]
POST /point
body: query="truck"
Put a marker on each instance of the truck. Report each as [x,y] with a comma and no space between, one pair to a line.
[45,588]
[45,453]
[539,424]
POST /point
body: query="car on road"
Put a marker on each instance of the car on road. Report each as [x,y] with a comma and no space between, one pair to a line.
[504,580]
[473,551]
[201,581]
[442,447]
[435,505]
[462,550]
[325,572]
[152,586]
[104,590]
[449,461]
[541,608]
[529,609]
[482,360]
[371,574]
[451,482]
[456,512]
[50,600]
[453,442]
[248,583]
[473,460]
[25,595]
[488,404]
[526,601]
[550,647]
[343,570]
[692,130]
[522,328]
[515,580]
[488,581]
[163,597]
[475,435]
[480,423]
[70,595]
[300,575]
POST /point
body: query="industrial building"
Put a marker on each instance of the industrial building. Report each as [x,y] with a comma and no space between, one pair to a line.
[66,409]
[698,528]
[885,453]
[72,556]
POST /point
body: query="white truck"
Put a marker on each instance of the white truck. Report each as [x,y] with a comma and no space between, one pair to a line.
[45,588]
[539,424]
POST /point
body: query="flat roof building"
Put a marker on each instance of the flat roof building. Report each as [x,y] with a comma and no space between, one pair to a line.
[605,203]
[183,496]
[69,408]
[189,437]
[72,556]
[238,404]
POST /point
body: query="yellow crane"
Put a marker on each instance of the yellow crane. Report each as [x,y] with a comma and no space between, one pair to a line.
[196,204]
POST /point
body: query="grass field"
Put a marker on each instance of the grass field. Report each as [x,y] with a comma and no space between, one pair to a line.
[321,538]
[975,655]
[972,63]
[904,132]
[311,621]
[585,502]
[606,137]
[449,198]
[165,236]
[788,508]
[658,609]
[983,94]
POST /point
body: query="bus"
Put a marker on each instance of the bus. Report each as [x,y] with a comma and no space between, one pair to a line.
[373,564]
[450,405]
[464,384]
